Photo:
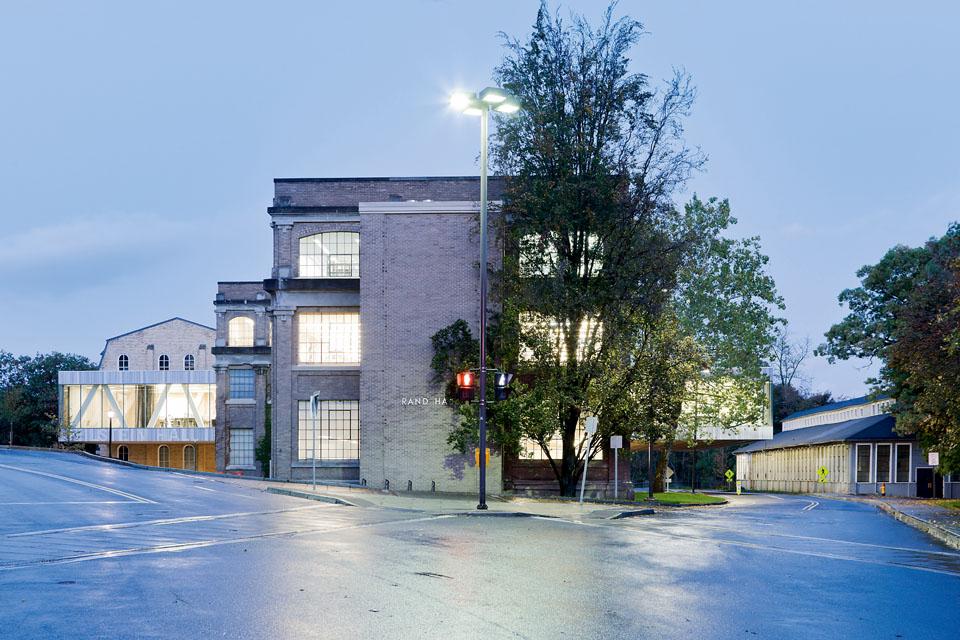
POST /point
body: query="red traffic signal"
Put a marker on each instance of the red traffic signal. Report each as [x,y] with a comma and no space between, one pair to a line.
[465,382]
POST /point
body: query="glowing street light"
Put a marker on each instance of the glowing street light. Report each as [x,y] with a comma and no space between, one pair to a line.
[501,101]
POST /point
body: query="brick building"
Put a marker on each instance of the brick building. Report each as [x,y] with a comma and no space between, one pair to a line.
[365,271]
[151,400]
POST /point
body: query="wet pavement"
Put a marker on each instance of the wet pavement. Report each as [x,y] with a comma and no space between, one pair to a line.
[94,550]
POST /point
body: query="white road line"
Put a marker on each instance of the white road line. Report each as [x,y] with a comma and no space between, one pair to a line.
[165,521]
[206,489]
[100,487]
[30,504]
[811,505]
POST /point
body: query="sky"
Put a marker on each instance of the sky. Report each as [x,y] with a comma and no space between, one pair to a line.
[139,141]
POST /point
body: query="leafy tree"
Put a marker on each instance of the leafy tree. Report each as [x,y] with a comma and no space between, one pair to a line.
[28,395]
[904,314]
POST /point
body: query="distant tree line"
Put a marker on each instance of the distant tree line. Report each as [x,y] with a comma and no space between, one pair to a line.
[28,396]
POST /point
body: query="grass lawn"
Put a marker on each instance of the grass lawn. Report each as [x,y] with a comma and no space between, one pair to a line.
[950,504]
[676,497]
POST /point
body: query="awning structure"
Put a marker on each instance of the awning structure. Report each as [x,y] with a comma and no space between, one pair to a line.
[872,428]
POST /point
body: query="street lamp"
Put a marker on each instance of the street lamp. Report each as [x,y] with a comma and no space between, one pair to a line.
[110,415]
[480,104]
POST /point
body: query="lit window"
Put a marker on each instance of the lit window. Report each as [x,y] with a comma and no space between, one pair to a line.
[863,463]
[188,362]
[549,334]
[190,457]
[531,450]
[539,257]
[240,332]
[903,463]
[241,447]
[241,383]
[123,453]
[330,255]
[337,437]
[163,456]
[329,337]
[123,362]
[164,363]
[883,463]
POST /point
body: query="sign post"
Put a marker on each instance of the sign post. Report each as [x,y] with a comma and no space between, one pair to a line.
[616,443]
[591,428]
[314,399]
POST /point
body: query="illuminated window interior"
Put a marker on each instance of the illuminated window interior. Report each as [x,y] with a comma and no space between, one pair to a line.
[531,449]
[553,332]
[240,332]
[334,254]
[329,337]
[335,435]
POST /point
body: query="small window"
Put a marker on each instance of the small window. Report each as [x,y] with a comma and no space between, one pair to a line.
[903,463]
[241,383]
[163,456]
[190,457]
[164,363]
[188,362]
[240,332]
[123,453]
[123,362]
[863,463]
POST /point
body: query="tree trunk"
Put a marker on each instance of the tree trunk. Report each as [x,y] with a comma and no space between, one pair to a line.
[658,480]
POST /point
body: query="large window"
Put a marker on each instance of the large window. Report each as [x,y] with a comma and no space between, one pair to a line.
[863,463]
[329,337]
[140,405]
[335,435]
[883,463]
[903,463]
[240,332]
[330,255]
[123,362]
[241,447]
[189,362]
[164,363]
[531,449]
[546,338]
[163,456]
[241,383]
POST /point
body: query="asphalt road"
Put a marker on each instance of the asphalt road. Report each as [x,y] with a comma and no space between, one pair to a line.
[94,550]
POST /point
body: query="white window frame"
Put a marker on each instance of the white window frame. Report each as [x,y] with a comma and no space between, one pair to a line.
[909,479]
[314,254]
[856,463]
[891,462]
[326,324]
[318,435]
[241,332]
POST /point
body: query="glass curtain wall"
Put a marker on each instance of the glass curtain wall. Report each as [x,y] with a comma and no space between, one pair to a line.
[167,405]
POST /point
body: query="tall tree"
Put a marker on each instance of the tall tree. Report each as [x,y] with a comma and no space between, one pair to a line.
[28,396]
[594,240]
[905,315]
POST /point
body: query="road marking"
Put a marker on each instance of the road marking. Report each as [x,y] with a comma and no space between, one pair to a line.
[30,504]
[165,521]
[100,487]
[206,489]
[186,546]
[811,505]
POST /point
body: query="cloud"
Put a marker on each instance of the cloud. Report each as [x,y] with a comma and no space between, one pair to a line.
[82,238]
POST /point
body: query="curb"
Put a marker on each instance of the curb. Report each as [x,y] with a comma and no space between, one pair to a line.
[942,534]
[497,514]
[632,514]
[309,496]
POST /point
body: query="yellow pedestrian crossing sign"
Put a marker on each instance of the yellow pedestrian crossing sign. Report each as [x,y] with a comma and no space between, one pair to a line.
[729,475]
[822,474]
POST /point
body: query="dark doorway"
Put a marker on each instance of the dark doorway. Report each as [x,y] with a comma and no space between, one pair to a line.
[925,482]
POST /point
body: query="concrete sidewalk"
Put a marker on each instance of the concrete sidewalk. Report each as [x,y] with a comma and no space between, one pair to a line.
[454,503]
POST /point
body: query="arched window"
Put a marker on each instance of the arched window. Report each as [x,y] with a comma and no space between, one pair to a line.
[335,254]
[163,456]
[240,332]
[188,362]
[123,453]
[190,457]
[123,362]
[164,363]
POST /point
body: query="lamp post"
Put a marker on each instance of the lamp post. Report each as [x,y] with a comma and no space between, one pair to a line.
[110,415]
[480,105]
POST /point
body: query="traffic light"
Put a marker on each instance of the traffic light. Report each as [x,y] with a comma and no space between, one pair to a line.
[465,381]
[501,388]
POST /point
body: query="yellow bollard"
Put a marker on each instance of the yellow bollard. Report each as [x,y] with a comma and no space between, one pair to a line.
[883,489]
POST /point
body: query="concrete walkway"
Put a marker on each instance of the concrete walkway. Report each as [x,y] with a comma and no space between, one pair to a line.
[454,503]
[938,521]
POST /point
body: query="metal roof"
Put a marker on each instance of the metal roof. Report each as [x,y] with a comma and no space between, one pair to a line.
[860,429]
[833,406]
